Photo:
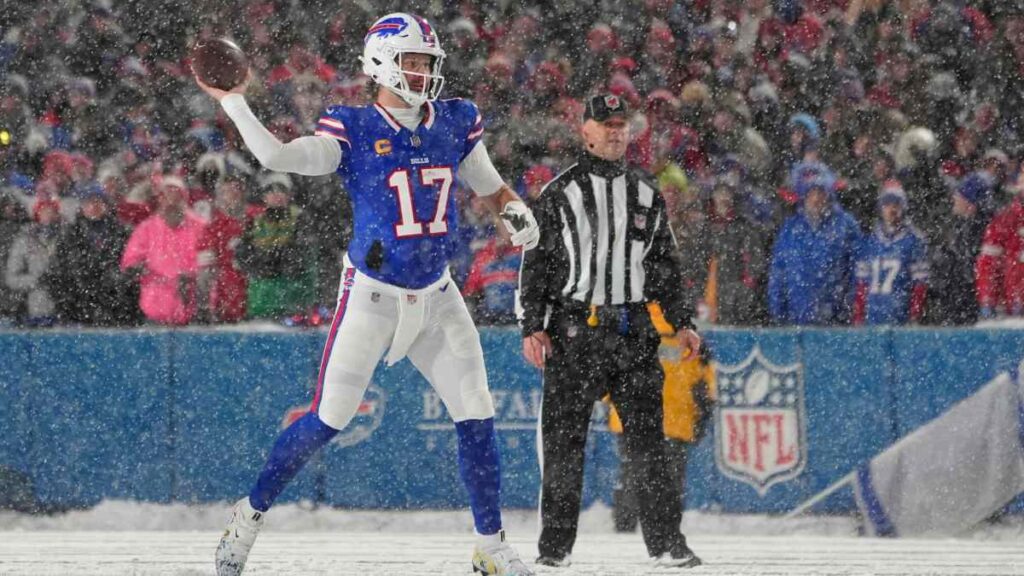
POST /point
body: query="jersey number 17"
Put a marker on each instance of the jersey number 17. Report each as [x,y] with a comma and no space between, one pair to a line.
[400,182]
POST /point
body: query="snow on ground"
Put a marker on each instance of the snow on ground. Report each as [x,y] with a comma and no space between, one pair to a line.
[123,538]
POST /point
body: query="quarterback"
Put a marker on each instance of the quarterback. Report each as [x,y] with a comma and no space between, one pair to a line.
[398,159]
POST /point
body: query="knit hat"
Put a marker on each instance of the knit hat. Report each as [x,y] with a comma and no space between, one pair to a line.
[975,188]
[807,176]
[271,179]
[892,192]
[673,175]
[823,182]
[169,181]
[41,205]
[808,124]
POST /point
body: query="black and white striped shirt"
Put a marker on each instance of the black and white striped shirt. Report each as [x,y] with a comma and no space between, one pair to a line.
[605,240]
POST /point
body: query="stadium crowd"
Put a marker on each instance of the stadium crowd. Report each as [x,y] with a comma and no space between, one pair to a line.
[825,162]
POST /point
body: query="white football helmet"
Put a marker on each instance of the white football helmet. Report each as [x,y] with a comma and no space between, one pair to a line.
[388,40]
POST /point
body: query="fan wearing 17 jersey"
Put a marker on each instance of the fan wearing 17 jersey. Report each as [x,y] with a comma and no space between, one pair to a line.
[399,160]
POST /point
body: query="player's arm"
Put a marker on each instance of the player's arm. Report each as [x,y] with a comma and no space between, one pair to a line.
[479,172]
[307,155]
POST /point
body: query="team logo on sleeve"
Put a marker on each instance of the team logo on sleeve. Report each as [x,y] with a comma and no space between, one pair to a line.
[760,422]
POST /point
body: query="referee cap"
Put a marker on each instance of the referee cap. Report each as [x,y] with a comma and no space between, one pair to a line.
[603,107]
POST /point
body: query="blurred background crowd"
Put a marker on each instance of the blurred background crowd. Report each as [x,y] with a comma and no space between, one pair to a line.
[825,162]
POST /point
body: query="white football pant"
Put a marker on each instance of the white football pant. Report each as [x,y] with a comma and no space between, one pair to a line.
[431,326]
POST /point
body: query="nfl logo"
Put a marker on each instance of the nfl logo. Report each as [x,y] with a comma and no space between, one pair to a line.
[640,221]
[612,102]
[411,299]
[760,423]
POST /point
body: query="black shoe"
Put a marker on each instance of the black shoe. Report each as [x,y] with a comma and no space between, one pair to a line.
[554,561]
[679,556]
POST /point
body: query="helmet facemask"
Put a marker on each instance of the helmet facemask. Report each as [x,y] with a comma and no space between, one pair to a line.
[433,82]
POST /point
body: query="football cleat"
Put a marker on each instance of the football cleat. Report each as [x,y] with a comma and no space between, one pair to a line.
[501,559]
[679,556]
[238,538]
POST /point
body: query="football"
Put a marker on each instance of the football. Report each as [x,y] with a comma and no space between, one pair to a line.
[219,62]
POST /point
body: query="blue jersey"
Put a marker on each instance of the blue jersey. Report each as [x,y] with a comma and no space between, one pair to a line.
[402,186]
[890,266]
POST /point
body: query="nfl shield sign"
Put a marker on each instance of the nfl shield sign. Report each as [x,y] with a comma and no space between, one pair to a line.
[760,423]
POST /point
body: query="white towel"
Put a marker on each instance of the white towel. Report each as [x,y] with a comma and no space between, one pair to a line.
[410,322]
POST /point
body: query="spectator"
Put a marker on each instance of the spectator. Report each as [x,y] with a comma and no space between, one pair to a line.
[490,288]
[892,265]
[739,261]
[804,137]
[222,285]
[163,253]
[274,254]
[952,297]
[12,219]
[688,220]
[30,259]
[812,261]
[1000,267]
[774,80]
[86,280]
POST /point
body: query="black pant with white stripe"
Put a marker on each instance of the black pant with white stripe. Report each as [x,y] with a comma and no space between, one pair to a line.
[586,363]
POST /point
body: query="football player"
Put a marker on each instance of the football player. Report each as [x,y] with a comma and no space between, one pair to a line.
[398,159]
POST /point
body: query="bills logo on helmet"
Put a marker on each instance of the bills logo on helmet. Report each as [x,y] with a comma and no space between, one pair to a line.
[369,415]
[760,423]
[388,27]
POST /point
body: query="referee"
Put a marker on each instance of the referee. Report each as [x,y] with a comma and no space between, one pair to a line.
[606,250]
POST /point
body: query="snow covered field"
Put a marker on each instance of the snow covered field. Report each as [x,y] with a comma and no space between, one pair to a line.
[118,538]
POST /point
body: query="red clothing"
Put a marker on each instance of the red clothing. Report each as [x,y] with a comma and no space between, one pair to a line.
[217,251]
[999,272]
[681,142]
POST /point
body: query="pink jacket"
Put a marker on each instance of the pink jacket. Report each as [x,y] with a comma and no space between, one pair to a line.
[169,259]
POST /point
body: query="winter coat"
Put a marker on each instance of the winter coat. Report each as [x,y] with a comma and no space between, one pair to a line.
[810,279]
[10,301]
[86,281]
[999,272]
[951,294]
[740,262]
[28,261]
[275,255]
[168,257]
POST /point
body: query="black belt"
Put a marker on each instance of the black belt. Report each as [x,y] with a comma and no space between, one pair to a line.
[616,317]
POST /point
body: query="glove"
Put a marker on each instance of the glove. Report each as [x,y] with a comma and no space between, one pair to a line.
[521,224]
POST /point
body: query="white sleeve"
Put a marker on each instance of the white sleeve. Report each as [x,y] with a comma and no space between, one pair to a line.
[478,171]
[307,155]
